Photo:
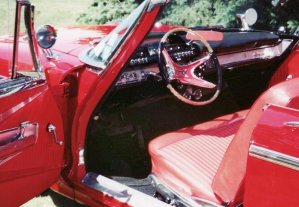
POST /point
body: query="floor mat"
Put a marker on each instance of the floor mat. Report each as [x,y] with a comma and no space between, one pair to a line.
[142,185]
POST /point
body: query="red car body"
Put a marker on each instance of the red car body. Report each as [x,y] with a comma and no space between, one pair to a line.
[34,158]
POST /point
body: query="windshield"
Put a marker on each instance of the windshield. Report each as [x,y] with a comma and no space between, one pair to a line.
[216,14]
[100,55]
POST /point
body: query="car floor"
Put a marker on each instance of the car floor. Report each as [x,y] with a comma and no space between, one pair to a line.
[120,132]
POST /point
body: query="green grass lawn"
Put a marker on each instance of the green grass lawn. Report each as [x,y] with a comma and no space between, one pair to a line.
[51,199]
[58,13]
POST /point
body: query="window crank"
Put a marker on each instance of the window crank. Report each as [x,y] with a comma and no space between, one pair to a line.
[52,129]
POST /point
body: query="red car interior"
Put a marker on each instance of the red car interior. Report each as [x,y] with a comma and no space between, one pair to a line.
[180,160]
[107,116]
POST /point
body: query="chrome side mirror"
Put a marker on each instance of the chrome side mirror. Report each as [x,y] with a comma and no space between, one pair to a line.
[282,29]
[46,36]
[248,19]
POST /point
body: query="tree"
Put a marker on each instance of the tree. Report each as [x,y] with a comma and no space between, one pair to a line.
[103,11]
[223,12]
[204,12]
[271,18]
[201,13]
[288,15]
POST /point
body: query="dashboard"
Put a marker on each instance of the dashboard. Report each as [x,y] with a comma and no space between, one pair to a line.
[235,50]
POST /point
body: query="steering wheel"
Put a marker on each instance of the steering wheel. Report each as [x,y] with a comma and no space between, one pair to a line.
[186,81]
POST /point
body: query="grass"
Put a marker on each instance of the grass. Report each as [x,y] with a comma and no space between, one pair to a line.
[58,13]
[51,199]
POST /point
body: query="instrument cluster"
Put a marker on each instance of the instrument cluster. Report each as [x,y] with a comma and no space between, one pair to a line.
[148,53]
[144,61]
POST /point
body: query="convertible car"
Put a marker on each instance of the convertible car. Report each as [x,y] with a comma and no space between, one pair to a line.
[136,113]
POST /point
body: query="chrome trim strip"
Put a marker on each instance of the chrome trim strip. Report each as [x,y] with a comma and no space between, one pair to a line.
[274,157]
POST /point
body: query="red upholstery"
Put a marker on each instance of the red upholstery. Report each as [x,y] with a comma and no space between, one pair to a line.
[198,162]
[179,151]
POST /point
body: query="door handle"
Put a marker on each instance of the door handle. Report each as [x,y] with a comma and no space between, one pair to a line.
[14,134]
[292,124]
[14,140]
[52,129]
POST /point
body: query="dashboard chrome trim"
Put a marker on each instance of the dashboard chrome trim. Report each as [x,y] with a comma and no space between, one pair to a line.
[266,53]
[141,64]
[274,157]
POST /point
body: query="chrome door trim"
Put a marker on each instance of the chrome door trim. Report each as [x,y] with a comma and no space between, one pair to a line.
[274,157]
[24,129]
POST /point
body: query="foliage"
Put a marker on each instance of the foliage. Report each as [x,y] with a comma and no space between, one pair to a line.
[102,11]
[223,12]
[288,15]
[202,12]
[271,18]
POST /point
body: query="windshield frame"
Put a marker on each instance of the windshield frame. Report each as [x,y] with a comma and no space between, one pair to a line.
[89,56]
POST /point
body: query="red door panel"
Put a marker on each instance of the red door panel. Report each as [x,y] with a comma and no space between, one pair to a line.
[273,164]
[30,157]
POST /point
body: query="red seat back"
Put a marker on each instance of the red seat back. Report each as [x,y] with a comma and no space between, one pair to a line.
[228,183]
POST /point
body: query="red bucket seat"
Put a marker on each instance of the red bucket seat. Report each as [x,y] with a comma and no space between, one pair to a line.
[208,161]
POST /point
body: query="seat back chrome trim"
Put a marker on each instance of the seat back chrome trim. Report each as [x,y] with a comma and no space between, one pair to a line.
[274,157]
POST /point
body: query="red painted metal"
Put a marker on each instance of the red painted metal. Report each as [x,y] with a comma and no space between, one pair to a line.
[33,161]
[270,184]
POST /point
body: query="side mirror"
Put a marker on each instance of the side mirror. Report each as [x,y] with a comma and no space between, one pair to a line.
[282,29]
[46,36]
[248,19]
